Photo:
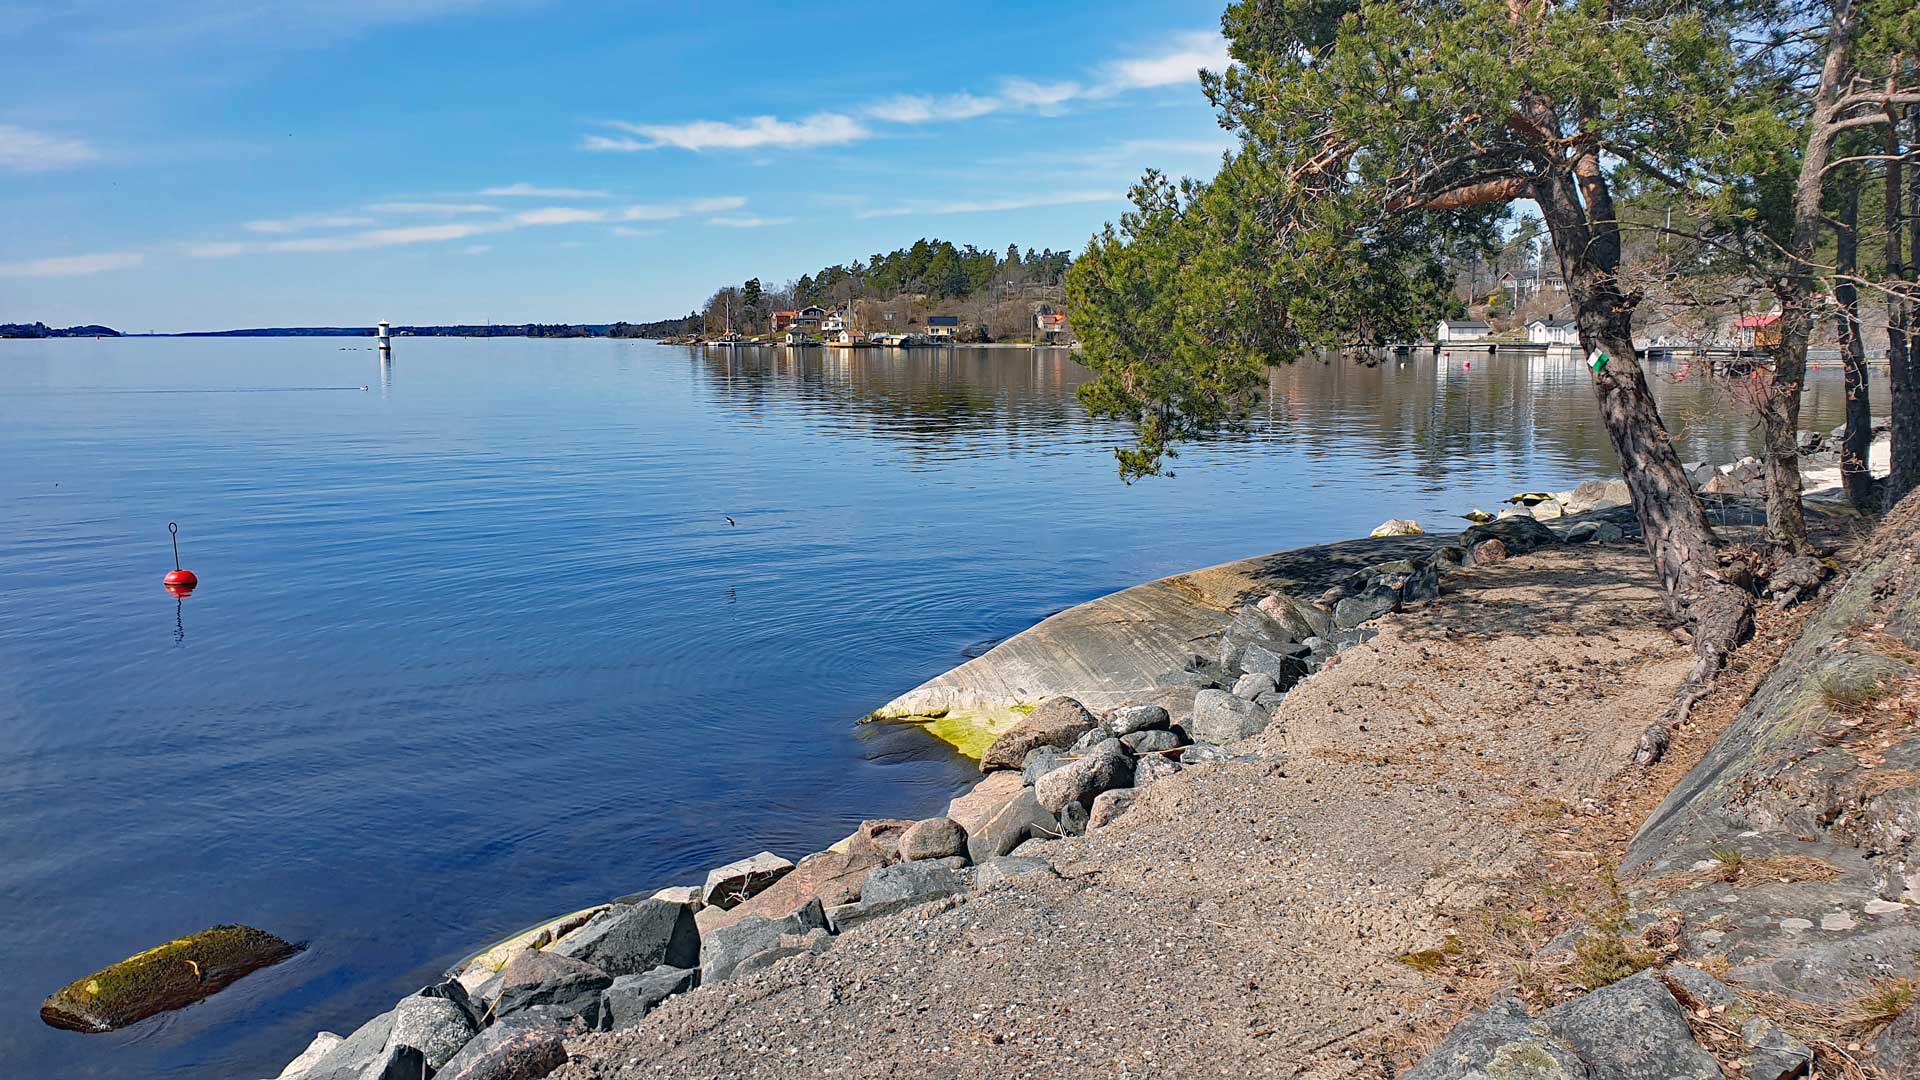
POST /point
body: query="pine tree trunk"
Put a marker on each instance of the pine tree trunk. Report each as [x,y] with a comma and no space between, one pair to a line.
[1673,523]
[1904,475]
[1855,479]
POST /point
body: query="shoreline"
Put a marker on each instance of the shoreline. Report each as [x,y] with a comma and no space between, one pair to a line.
[1134,647]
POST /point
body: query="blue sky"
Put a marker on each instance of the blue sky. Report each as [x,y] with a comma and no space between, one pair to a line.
[312,162]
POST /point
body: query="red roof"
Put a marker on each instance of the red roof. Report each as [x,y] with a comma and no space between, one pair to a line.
[1746,322]
[1053,320]
[788,314]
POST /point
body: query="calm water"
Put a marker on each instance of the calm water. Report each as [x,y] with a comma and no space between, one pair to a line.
[477,646]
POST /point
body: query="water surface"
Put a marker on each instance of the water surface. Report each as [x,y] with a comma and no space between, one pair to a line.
[477,645]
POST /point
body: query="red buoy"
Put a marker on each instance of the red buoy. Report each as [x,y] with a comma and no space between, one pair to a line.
[178,582]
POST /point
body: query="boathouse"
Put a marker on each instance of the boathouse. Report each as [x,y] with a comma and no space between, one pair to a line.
[1454,331]
[1553,332]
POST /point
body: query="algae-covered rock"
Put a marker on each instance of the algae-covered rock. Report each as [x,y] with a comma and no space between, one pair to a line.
[171,976]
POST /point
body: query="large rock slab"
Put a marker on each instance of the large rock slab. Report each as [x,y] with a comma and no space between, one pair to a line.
[1518,535]
[513,1048]
[987,798]
[1219,718]
[563,985]
[628,939]
[1021,819]
[1597,495]
[356,1054]
[631,997]
[831,877]
[169,976]
[933,838]
[1057,722]
[740,880]
[1632,1030]
[1127,648]
[1106,767]
[724,951]
[299,1067]
[437,1022]
[1503,1041]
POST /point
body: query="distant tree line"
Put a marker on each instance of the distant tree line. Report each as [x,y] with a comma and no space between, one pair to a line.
[42,330]
[929,273]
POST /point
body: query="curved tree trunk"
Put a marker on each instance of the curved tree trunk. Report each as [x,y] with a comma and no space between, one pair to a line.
[1673,523]
[1855,478]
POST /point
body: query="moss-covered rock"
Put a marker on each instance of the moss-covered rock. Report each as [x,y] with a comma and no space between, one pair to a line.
[171,976]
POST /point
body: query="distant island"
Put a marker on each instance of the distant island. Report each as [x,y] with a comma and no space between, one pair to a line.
[984,295]
[42,330]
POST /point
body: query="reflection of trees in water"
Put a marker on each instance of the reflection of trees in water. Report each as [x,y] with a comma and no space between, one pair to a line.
[1438,415]
[919,396]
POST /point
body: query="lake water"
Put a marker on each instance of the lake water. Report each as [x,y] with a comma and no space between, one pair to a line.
[477,645]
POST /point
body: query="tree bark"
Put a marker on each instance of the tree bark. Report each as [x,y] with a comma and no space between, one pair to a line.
[1673,523]
[1855,478]
[1780,414]
[1904,317]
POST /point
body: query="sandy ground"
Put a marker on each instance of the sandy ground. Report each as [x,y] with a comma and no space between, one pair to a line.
[1246,919]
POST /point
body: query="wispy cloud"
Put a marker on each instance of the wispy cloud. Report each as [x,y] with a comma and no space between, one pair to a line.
[672,210]
[73,265]
[820,129]
[558,215]
[1178,60]
[630,232]
[1179,64]
[449,209]
[307,223]
[1061,198]
[476,249]
[747,221]
[24,150]
[529,191]
[355,241]
[920,109]
[401,236]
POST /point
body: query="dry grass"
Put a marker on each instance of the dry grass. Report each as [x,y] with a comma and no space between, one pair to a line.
[1734,869]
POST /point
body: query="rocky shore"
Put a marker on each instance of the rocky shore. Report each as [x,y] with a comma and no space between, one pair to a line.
[1235,824]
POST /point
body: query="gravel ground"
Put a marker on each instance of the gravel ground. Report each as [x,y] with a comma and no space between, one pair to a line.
[1243,919]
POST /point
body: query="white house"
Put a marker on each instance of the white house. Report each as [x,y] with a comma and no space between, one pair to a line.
[837,322]
[1553,332]
[1454,331]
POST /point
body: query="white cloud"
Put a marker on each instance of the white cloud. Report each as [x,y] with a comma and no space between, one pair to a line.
[306,222]
[22,150]
[529,191]
[357,241]
[630,231]
[919,109]
[746,221]
[558,215]
[1062,198]
[820,129]
[73,265]
[1027,94]
[448,209]
[1180,64]
[670,211]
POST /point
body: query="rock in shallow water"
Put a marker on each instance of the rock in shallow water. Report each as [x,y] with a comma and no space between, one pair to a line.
[631,938]
[171,976]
